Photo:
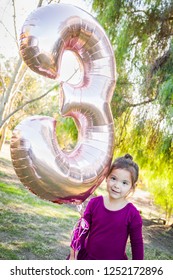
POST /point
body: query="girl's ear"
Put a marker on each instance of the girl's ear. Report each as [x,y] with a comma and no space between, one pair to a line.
[132,190]
[134,186]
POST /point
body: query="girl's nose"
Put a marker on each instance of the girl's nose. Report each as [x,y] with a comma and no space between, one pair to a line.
[117,185]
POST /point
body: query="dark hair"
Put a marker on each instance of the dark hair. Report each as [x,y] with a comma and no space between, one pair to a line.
[126,162]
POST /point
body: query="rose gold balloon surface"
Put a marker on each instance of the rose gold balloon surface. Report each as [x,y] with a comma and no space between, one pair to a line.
[49,172]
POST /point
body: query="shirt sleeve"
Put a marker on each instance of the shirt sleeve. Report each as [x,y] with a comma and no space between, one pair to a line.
[136,239]
[88,218]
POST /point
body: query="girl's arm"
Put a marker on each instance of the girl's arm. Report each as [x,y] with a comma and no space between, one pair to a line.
[136,238]
[80,232]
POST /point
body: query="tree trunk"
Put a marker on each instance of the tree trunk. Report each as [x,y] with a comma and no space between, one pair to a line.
[3,133]
[169,213]
[8,97]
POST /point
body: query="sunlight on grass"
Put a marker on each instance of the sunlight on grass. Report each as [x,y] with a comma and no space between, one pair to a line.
[23,201]
[45,211]
[12,189]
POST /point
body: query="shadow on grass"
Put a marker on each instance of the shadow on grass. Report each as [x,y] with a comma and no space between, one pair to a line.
[34,236]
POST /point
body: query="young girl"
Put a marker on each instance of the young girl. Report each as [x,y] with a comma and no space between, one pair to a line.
[111,219]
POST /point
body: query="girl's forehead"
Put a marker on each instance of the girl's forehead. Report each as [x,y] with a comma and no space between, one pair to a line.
[121,173]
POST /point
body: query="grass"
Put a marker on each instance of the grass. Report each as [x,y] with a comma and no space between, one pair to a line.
[156,254]
[31,228]
[151,253]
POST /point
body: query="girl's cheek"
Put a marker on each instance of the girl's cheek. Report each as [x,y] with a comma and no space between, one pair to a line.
[112,183]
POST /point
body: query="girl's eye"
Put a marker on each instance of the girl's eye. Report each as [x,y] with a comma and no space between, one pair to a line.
[125,183]
[113,178]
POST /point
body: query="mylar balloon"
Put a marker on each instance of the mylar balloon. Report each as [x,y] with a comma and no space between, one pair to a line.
[49,172]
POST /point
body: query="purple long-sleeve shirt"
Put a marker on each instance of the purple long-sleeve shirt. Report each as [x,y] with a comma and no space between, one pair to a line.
[109,231]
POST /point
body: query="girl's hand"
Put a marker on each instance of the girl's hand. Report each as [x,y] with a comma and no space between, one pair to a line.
[73,254]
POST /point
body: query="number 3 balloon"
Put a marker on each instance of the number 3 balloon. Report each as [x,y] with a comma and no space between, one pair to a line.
[49,172]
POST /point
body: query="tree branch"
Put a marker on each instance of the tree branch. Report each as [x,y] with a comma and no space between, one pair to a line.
[30,101]
[123,127]
[7,30]
[14,20]
[76,70]
[143,102]
[160,62]
[40,3]
[3,84]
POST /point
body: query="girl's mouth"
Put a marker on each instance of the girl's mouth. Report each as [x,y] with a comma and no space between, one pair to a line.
[115,191]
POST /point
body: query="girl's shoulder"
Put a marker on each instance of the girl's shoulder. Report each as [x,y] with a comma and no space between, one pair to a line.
[134,213]
[94,201]
[133,208]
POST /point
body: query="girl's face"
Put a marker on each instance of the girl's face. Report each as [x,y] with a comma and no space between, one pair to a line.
[119,183]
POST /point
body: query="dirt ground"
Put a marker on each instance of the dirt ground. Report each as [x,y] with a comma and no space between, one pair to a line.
[156,234]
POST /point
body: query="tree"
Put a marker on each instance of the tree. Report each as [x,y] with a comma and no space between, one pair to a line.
[21,91]
[10,85]
[141,33]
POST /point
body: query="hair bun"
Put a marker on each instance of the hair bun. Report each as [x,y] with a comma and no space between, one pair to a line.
[128,156]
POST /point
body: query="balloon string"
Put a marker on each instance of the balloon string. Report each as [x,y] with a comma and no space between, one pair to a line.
[80,208]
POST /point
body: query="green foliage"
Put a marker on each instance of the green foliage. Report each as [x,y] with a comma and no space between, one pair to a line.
[142,106]
[153,150]
[140,32]
[32,87]
[66,133]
